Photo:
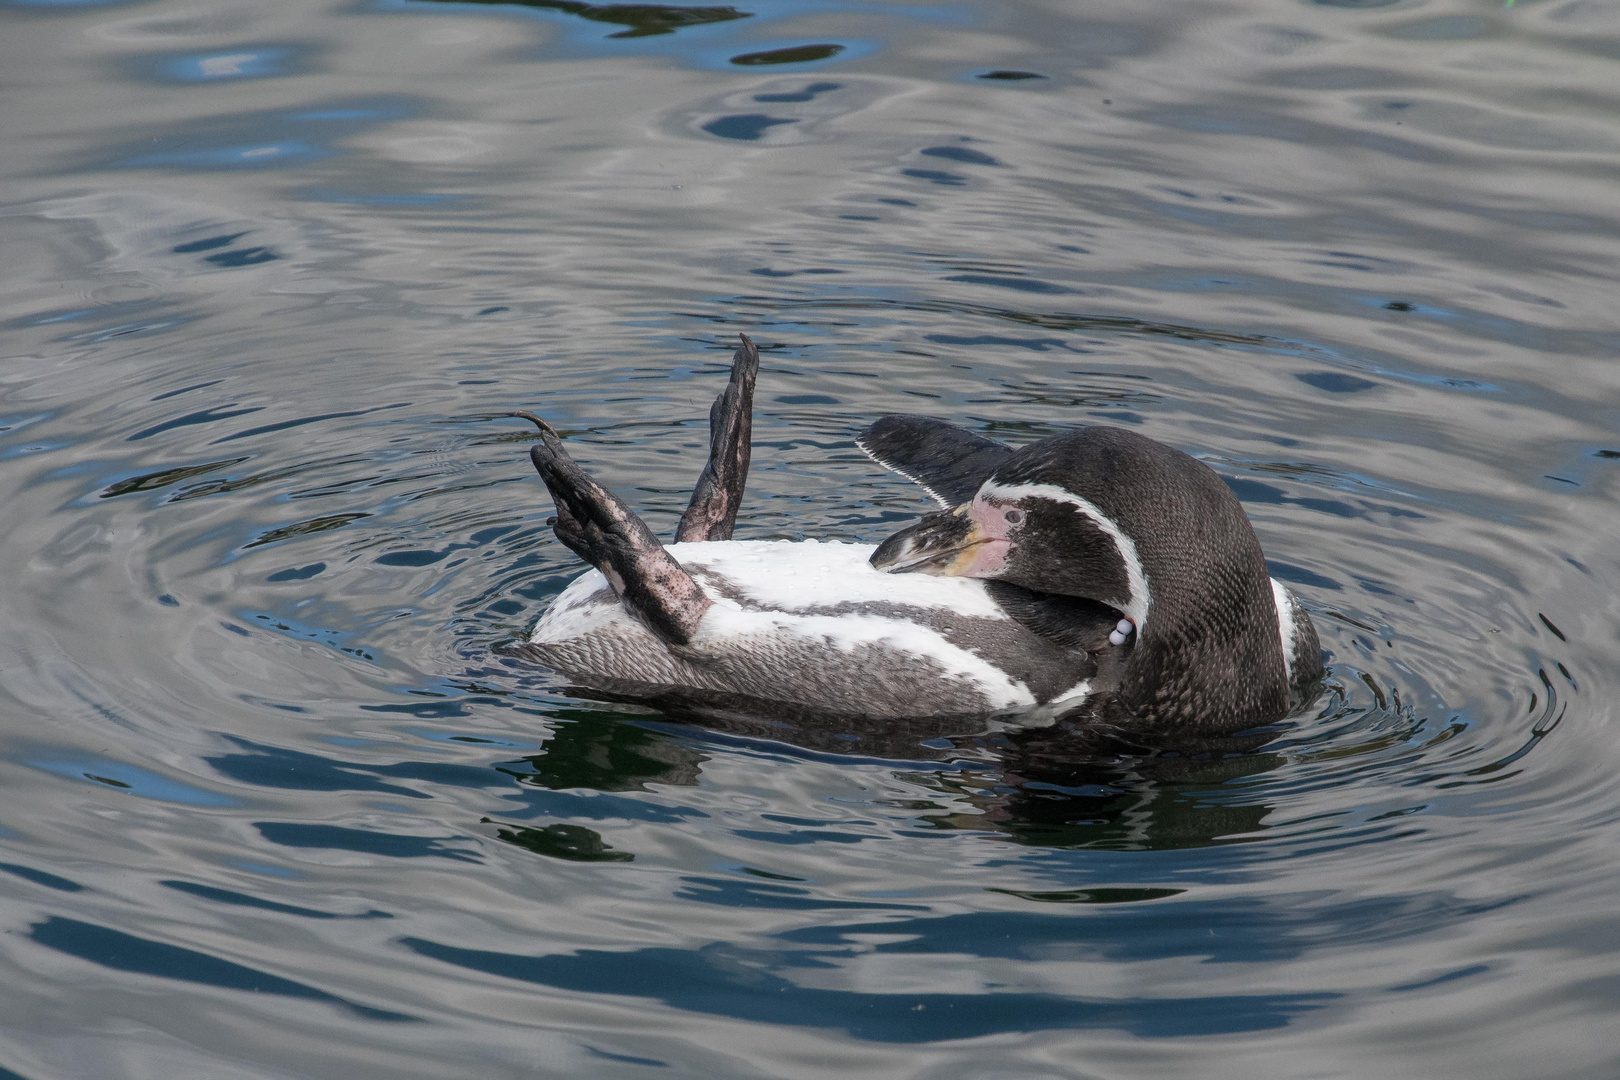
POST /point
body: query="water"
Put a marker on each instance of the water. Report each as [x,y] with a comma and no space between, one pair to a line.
[275,805]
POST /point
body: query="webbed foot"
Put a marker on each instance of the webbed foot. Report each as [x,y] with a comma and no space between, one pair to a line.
[712,513]
[596,525]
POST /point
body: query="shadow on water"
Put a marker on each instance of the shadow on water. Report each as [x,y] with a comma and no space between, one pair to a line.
[1072,783]
[1069,784]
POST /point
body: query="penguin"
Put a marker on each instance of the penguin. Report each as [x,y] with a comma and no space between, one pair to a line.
[1094,570]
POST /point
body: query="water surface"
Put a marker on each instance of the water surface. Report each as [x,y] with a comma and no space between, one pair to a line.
[274,804]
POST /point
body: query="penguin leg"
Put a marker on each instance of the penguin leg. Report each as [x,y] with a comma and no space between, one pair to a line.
[597,526]
[712,513]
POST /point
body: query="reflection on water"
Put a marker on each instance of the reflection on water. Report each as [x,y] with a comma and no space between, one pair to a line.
[641,20]
[279,798]
[794,54]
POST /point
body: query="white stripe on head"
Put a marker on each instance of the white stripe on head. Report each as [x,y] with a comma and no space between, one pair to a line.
[1284,600]
[898,471]
[1135,606]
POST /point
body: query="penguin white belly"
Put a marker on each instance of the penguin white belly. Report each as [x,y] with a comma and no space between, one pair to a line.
[815,625]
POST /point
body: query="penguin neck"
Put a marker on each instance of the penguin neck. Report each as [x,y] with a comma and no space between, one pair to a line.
[1211,663]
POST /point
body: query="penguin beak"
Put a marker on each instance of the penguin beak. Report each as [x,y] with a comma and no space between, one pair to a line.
[949,543]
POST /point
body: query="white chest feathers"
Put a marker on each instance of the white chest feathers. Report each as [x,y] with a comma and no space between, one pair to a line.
[814,625]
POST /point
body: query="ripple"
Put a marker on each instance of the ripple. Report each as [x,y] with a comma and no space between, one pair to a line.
[758,986]
[126,952]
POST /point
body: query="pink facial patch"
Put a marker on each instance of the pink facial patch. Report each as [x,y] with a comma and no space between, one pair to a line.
[988,557]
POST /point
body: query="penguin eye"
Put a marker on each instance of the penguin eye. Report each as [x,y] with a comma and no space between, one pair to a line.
[1014,517]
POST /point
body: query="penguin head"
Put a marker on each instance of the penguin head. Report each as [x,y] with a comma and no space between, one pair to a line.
[1113,516]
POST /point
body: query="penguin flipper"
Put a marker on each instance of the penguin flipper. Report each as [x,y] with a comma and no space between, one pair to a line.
[944,460]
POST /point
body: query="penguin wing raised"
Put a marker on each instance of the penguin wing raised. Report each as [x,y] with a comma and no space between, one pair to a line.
[944,460]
